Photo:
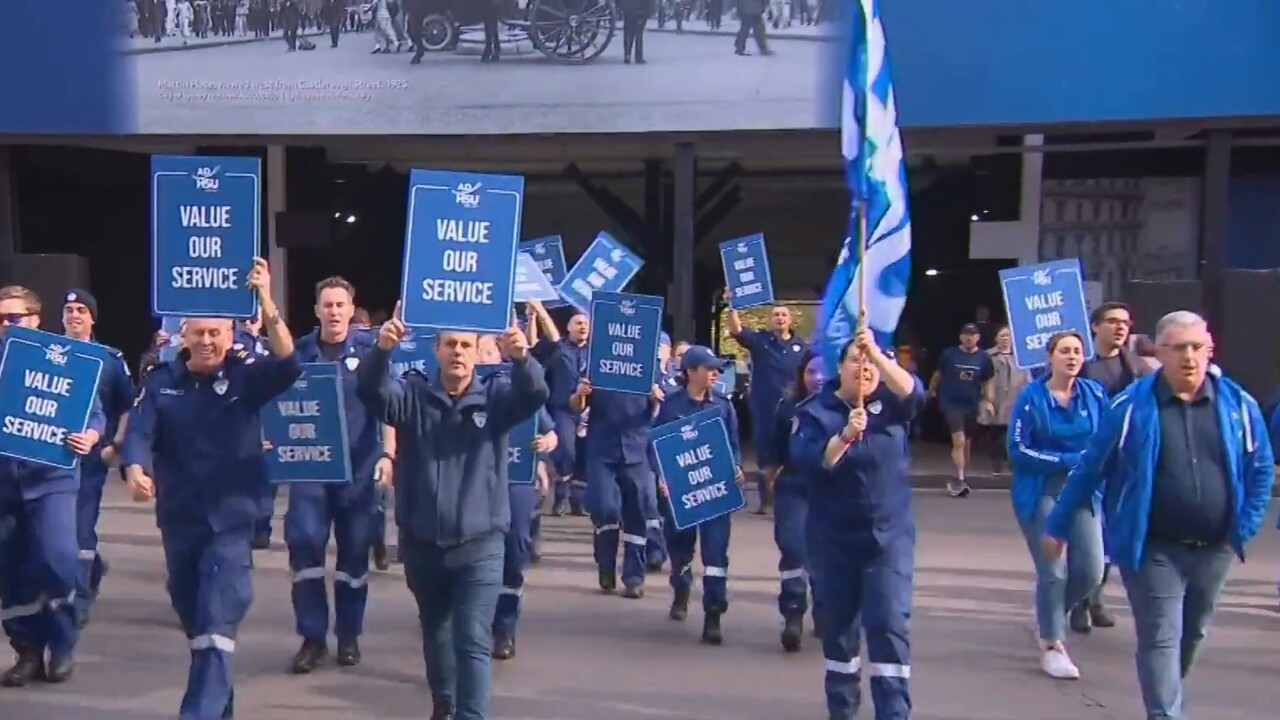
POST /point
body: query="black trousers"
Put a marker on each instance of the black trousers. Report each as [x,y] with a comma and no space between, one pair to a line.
[747,25]
[335,27]
[291,34]
[492,15]
[633,34]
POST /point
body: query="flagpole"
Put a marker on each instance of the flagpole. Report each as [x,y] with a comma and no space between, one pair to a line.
[862,280]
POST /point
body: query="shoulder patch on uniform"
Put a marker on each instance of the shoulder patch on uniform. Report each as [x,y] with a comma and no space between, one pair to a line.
[241,354]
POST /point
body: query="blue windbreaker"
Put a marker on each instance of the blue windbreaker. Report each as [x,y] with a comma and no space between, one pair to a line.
[1121,460]
[1042,445]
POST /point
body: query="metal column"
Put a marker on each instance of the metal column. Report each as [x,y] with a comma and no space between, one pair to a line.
[680,298]
[1214,207]
[277,256]
[8,220]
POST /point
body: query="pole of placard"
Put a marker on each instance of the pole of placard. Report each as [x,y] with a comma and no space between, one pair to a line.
[862,281]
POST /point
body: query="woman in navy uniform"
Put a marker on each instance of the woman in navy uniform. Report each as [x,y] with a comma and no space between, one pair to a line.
[791,511]
[699,370]
[854,458]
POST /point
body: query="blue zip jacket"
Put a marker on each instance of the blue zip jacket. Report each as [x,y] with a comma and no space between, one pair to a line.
[1046,441]
[451,485]
[1121,460]
[1275,436]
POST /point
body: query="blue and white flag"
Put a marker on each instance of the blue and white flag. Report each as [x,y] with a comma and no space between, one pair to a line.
[876,170]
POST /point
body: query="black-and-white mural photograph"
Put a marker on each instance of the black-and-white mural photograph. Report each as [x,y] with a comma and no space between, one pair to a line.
[476,66]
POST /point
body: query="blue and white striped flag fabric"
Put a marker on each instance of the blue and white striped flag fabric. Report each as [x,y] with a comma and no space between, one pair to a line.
[876,170]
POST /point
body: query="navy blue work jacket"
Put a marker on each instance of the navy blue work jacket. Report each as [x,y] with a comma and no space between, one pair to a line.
[867,492]
[451,483]
[203,437]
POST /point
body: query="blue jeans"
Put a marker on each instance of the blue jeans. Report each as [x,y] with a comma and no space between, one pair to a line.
[1063,583]
[1172,594]
[456,589]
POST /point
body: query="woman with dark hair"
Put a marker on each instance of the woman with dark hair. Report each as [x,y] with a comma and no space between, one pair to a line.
[791,510]
[849,442]
[1053,419]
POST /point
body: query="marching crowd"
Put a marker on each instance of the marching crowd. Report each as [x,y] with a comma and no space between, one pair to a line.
[1163,475]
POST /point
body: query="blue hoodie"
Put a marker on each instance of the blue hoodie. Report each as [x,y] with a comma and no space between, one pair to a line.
[1121,460]
[1045,439]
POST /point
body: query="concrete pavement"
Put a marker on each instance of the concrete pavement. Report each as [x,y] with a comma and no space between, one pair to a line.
[583,656]
[691,82]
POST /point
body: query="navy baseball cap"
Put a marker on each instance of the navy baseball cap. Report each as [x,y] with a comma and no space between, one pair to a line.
[700,356]
[970,329]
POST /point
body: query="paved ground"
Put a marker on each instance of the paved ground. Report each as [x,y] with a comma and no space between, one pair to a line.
[584,656]
[691,82]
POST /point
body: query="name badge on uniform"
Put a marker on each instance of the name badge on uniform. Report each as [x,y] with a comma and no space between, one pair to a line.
[480,418]
[352,363]
[220,386]
[875,408]
[795,348]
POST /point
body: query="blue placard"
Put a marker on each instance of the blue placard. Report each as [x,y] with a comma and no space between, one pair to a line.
[47,387]
[622,354]
[531,283]
[460,250]
[1041,300]
[206,218]
[305,429]
[727,382]
[746,272]
[549,253]
[697,465]
[522,461]
[416,351]
[606,266]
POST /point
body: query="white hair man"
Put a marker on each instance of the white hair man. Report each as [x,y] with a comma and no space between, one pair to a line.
[1185,465]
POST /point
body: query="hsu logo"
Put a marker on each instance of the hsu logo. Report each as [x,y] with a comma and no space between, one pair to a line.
[466,195]
[540,249]
[1041,278]
[688,432]
[616,255]
[627,307]
[206,178]
[57,354]
[742,248]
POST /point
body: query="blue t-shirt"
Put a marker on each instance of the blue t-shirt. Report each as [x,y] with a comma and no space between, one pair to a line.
[962,374]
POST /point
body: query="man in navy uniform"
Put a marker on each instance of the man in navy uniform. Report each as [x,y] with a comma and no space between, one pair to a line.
[854,459]
[566,360]
[775,354]
[349,509]
[452,506]
[115,392]
[39,570]
[196,420]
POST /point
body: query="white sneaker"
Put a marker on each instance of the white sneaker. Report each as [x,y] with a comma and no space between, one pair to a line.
[1057,664]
